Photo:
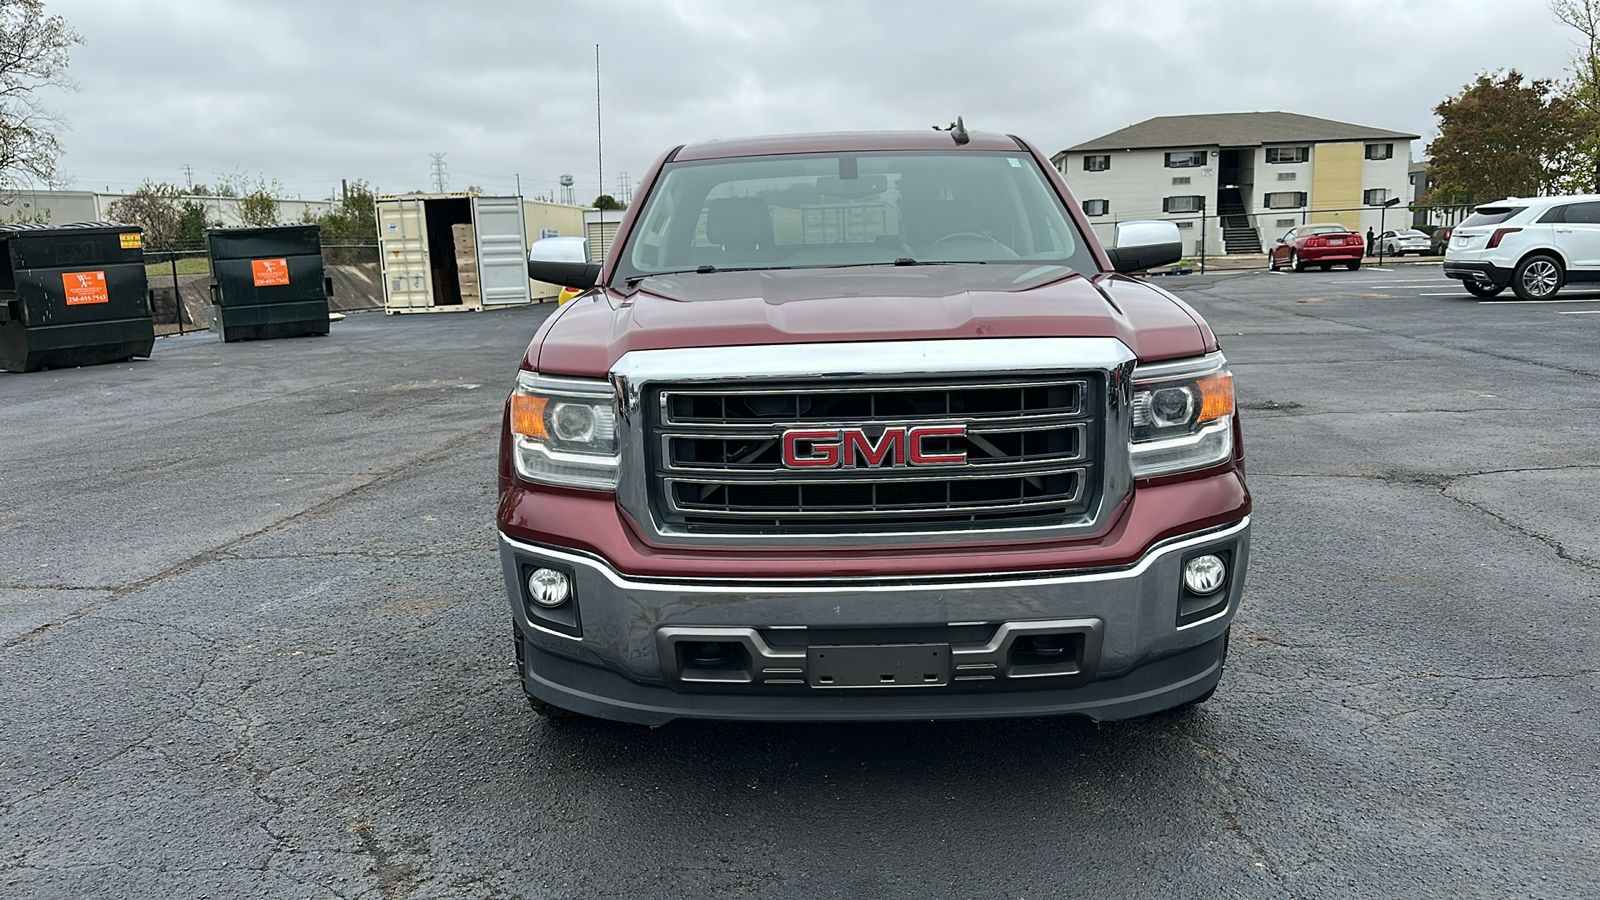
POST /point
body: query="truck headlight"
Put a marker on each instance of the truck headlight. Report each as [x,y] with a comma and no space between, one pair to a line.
[564,432]
[1182,416]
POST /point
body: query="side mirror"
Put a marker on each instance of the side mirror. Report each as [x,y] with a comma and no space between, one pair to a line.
[563,261]
[1141,245]
[565,274]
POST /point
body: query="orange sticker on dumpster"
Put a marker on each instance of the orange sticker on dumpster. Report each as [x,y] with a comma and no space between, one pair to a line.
[270,271]
[85,287]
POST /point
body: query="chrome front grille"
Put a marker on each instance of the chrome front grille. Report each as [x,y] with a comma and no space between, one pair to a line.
[1032,445]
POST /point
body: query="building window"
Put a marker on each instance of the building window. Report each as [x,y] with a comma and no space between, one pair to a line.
[1285,223]
[1096,163]
[1181,179]
[1288,154]
[1284,200]
[1286,176]
[1096,207]
[1184,224]
[1186,159]
[1380,151]
[1188,204]
[1375,196]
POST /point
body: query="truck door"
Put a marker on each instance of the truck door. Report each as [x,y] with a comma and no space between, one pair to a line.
[403,249]
[502,250]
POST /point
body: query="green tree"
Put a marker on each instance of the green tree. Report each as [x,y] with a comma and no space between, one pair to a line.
[192,223]
[1581,171]
[352,221]
[259,206]
[34,51]
[606,201]
[154,208]
[1502,136]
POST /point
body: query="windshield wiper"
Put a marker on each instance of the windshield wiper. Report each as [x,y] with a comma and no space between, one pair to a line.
[908,261]
[708,269]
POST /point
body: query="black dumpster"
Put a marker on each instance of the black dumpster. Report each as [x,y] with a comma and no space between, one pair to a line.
[269,282]
[72,295]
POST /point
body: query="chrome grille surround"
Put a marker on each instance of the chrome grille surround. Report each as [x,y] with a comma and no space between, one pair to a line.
[1082,473]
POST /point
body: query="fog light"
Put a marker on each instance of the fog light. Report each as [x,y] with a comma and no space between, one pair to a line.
[1204,574]
[549,588]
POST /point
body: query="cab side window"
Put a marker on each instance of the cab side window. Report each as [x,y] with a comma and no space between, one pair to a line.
[1581,213]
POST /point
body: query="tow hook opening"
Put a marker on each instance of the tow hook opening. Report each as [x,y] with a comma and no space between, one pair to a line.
[1046,653]
[713,661]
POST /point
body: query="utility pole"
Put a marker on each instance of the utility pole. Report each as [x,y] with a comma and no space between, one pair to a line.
[188,175]
[599,155]
[441,177]
[519,184]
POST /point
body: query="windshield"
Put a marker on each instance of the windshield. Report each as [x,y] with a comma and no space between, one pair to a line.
[830,210]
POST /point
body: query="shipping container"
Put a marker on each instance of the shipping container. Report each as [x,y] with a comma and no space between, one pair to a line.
[546,220]
[424,272]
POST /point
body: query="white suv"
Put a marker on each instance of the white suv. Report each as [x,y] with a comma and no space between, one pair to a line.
[1532,245]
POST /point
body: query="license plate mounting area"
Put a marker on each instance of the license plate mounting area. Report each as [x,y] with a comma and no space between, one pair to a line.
[878,666]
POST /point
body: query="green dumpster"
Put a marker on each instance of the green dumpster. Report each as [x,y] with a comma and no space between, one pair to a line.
[72,295]
[269,282]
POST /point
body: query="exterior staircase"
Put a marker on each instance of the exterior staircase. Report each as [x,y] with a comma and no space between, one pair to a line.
[1237,235]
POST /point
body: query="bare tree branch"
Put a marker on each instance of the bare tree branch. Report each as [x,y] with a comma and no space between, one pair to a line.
[34,49]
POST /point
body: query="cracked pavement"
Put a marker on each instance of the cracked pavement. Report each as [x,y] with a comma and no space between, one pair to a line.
[253,644]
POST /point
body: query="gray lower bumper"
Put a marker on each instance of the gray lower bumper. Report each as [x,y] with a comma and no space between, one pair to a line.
[1480,272]
[1137,643]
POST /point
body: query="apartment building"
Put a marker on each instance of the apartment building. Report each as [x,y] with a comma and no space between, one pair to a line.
[1235,182]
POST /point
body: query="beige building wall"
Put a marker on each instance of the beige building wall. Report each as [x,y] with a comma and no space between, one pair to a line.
[1336,184]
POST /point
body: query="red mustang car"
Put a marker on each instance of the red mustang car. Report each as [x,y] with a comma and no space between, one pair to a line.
[1317,245]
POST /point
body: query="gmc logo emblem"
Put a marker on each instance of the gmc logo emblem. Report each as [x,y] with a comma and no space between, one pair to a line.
[849,448]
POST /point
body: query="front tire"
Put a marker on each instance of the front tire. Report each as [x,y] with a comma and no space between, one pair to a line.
[1483,290]
[1537,278]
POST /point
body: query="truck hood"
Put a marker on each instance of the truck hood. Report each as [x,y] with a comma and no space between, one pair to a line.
[588,335]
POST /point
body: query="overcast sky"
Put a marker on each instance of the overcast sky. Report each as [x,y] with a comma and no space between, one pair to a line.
[311,91]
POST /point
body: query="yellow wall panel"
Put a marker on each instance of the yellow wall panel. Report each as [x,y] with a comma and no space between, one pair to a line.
[1336,183]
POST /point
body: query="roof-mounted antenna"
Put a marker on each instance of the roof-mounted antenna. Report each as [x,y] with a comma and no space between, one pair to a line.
[959,132]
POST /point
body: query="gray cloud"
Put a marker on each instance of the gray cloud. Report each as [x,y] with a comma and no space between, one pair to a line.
[309,92]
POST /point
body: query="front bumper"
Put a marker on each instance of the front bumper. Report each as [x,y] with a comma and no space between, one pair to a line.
[1135,641]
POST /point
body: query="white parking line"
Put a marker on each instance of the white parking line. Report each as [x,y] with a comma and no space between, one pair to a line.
[1535,302]
[1577,312]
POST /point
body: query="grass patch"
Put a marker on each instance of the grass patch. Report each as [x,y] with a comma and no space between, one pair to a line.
[192,265]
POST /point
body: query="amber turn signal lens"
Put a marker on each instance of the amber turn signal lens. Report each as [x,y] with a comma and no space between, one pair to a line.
[527,416]
[1216,397]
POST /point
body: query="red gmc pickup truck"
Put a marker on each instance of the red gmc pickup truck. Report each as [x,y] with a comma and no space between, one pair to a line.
[870,427]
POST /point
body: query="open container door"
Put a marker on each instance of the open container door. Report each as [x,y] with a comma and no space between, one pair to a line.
[502,250]
[403,248]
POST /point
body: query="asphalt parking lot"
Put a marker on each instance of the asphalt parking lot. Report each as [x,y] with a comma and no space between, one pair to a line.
[253,644]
